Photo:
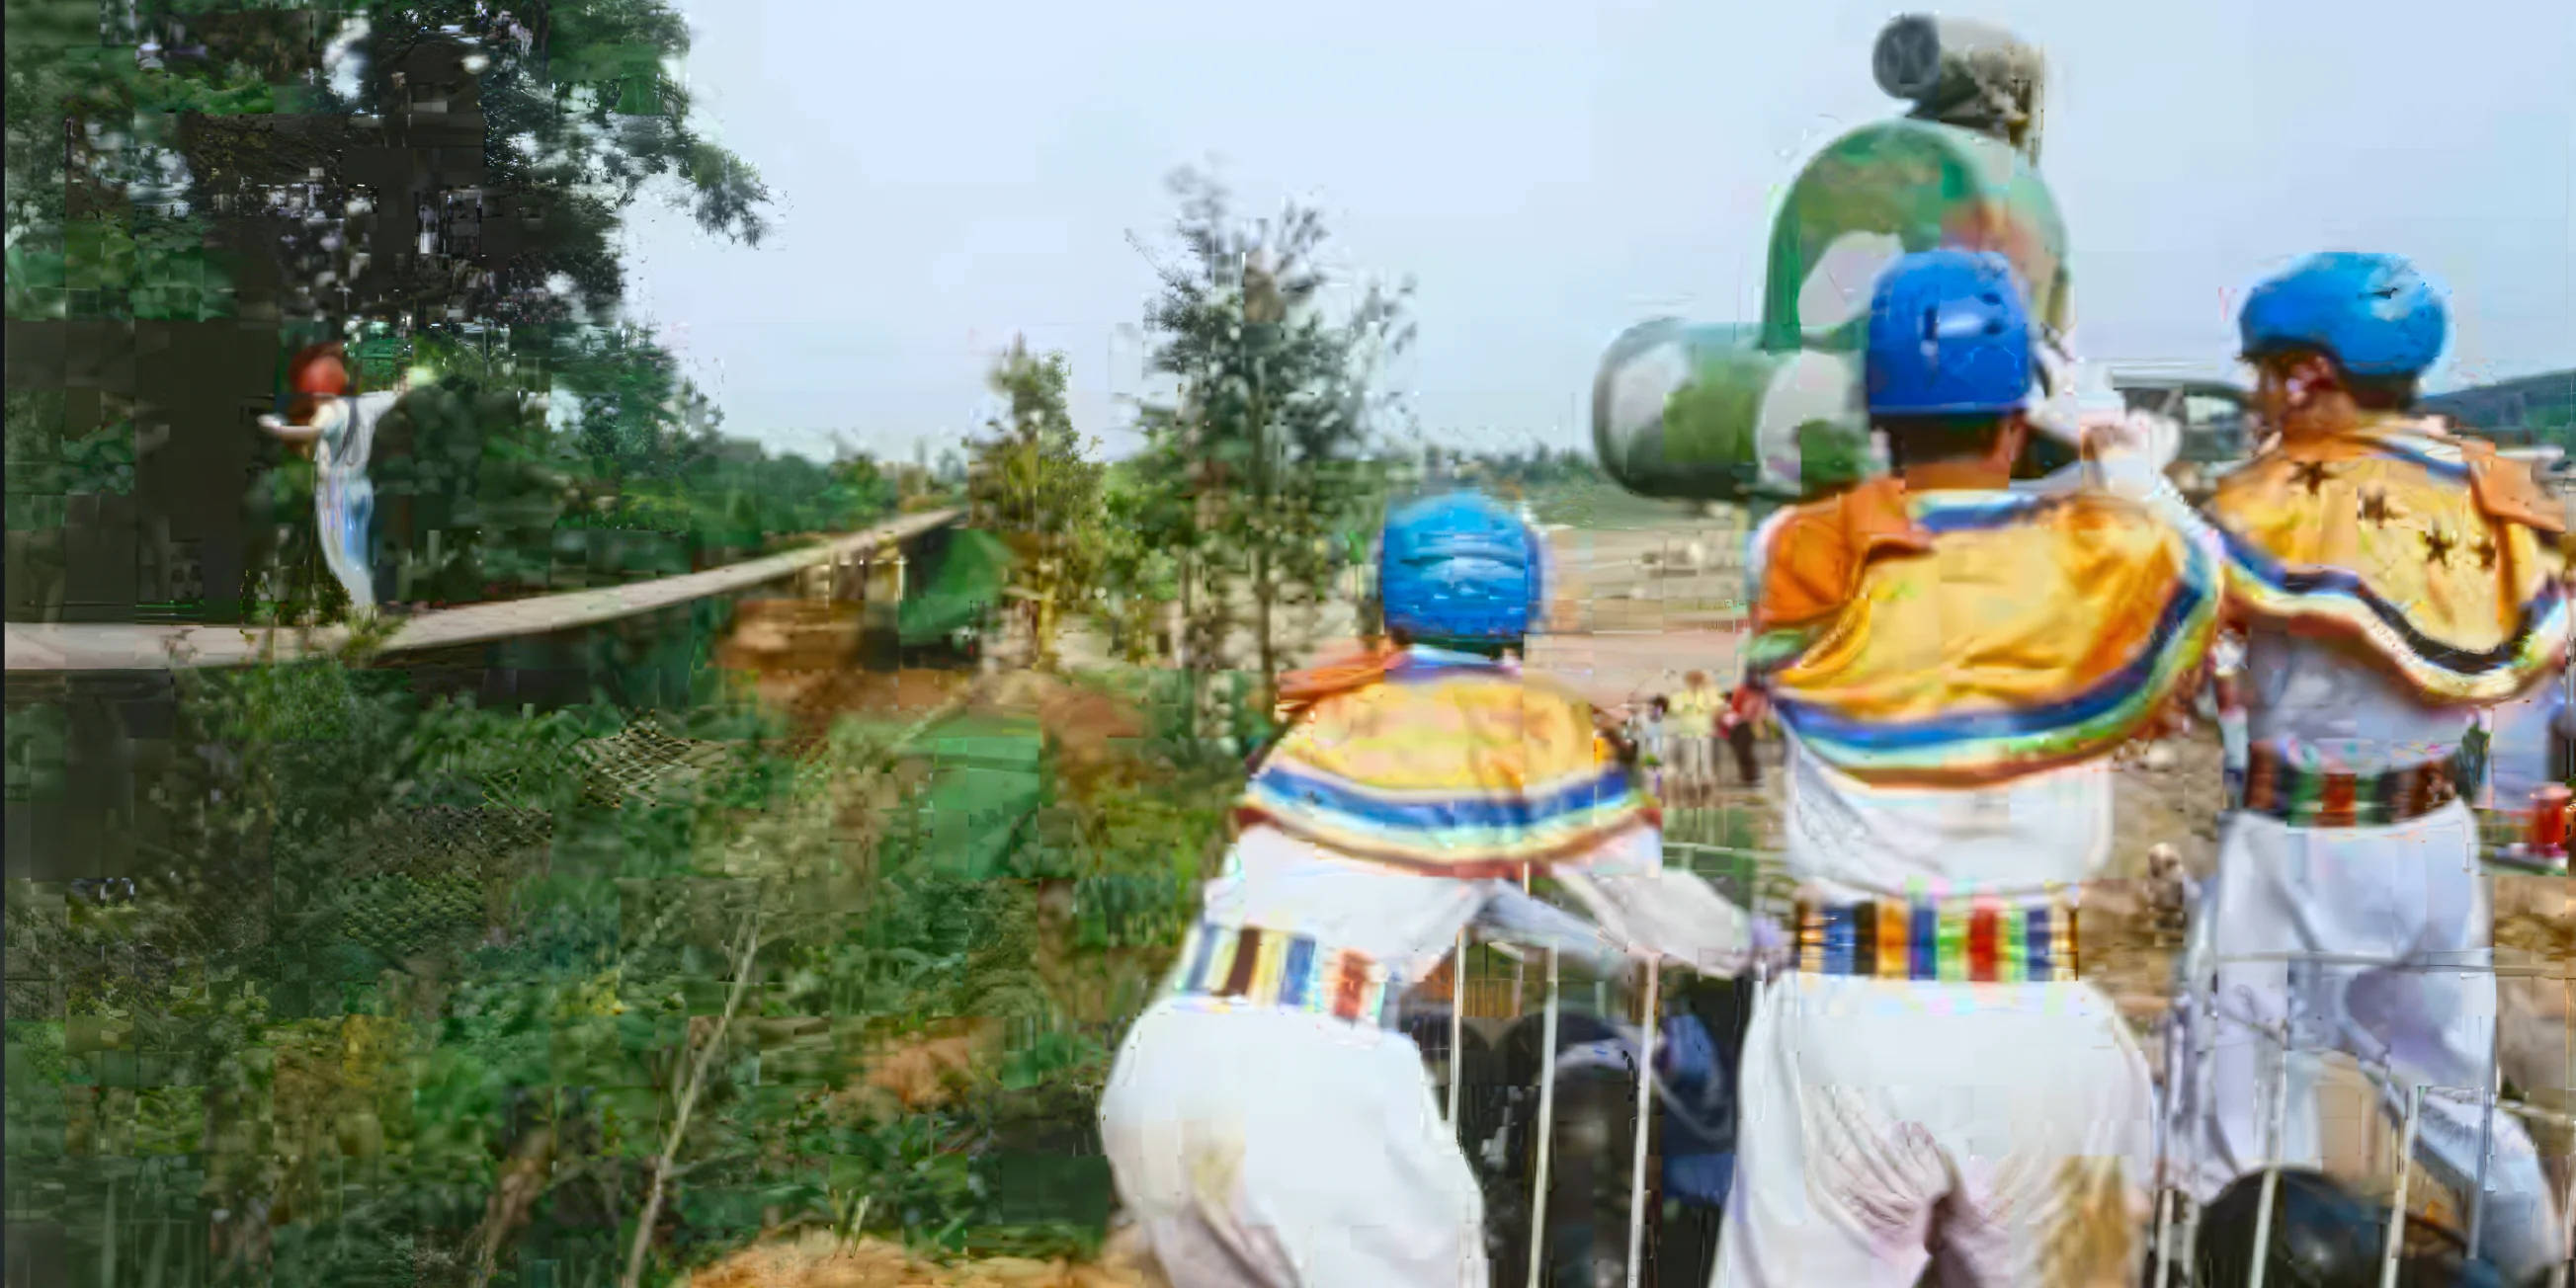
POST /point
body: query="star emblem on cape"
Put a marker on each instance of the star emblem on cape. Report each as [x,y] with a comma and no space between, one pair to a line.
[2313,474]
[2375,508]
[2437,547]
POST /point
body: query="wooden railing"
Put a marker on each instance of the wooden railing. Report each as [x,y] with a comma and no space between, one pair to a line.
[36,647]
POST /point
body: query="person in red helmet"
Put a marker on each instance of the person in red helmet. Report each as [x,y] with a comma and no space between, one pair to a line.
[337,429]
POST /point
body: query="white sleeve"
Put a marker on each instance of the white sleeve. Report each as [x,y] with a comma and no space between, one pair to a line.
[1510,914]
[2136,472]
[1656,912]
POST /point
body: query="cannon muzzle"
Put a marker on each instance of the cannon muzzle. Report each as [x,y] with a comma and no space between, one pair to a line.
[1970,74]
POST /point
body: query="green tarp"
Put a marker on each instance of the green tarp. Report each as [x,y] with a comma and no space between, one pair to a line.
[987,780]
[965,583]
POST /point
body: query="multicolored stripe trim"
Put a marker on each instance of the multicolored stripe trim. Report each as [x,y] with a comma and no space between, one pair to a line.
[1258,967]
[2314,798]
[1453,764]
[1445,828]
[1974,940]
[1994,743]
[2341,599]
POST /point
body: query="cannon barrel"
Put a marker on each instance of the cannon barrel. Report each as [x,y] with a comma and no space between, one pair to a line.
[1772,411]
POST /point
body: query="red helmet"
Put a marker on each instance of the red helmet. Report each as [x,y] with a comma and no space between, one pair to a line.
[318,371]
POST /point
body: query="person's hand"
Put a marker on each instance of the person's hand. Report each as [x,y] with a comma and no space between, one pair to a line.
[1772,946]
[2124,433]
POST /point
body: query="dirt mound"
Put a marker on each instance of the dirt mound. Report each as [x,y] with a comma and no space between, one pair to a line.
[1092,734]
[801,659]
[822,1260]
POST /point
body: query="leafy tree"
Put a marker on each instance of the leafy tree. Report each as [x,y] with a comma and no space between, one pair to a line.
[1030,483]
[221,166]
[1255,469]
[869,488]
[1140,571]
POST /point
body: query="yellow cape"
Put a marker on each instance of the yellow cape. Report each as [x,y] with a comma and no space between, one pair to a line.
[2435,555]
[1957,638]
[1455,766]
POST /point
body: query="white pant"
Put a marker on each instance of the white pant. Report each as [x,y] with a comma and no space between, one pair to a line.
[1271,1149]
[1694,756]
[2006,1129]
[2409,893]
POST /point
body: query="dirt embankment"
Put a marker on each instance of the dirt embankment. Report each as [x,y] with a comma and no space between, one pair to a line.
[821,1260]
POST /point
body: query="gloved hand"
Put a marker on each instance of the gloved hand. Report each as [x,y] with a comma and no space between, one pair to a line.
[2155,440]
[1772,946]
[2065,393]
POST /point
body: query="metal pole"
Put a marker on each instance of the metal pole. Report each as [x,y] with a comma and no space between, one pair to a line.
[1457,1022]
[2271,1164]
[1520,969]
[2486,1140]
[2203,1035]
[2405,1174]
[2177,1055]
[1546,1125]
[2566,1237]
[1645,1102]
[2164,1236]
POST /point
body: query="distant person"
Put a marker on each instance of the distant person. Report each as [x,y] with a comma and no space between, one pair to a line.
[1742,721]
[1650,739]
[1694,737]
[328,420]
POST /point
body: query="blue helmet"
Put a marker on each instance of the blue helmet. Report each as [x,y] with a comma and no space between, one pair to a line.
[1458,569]
[2373,314]
[1948,336]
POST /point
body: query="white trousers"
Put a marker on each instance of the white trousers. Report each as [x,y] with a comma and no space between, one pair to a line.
[2408,894]
[1270,1149]
[2005,1131]
[1694,758]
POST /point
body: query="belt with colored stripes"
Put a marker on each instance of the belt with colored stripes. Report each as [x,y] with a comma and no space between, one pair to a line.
[1275,968]
[1965,940]
[2314,798]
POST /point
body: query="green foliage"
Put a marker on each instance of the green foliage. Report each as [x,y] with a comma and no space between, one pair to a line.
[1250,477]
[1138,571]
[335,1015]
[1031,483]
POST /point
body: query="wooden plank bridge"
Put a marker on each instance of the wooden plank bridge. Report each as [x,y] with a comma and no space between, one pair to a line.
[79,649]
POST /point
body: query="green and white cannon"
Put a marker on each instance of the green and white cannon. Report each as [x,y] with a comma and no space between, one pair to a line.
[1771,412]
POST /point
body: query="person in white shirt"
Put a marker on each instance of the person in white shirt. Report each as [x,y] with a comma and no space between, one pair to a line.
[1265,1122]
[1692,730]
[2392,580]
[1952,665]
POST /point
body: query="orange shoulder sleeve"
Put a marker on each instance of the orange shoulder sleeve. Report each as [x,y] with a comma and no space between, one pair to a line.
[1816,557]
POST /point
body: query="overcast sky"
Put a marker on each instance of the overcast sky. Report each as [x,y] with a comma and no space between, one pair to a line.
[1550,173]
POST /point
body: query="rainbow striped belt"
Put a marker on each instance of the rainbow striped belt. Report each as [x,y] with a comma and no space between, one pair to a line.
[1259,967]
[1971,940]
[2312,798]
